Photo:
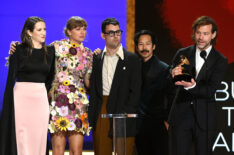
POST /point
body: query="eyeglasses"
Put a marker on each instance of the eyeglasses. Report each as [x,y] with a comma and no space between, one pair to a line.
[113,33]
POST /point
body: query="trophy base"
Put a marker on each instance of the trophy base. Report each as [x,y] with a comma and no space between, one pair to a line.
[183,77]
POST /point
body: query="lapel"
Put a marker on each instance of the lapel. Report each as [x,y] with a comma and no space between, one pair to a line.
[192,57]
[99,75]
[118,75]
[210,61]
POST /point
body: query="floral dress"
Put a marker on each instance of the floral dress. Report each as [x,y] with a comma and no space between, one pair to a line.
[68,99]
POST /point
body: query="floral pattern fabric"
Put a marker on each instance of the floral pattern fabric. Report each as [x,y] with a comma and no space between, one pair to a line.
[68,99]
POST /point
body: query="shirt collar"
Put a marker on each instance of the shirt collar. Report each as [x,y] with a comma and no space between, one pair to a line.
[198,51]
[119,52]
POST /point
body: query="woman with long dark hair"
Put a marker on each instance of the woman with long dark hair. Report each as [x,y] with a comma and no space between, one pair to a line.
[25,115]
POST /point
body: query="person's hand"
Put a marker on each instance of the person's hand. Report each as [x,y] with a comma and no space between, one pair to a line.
[13,47]
[176,71]
[166,125]
[56,46]
[97,51]
[185,83]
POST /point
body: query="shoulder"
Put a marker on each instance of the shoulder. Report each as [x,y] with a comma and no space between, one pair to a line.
[98,56]
[62,42]
[159,64]
[163,64]
[51,49]
[187,52]
[21,49]
[19,52]
[132,58]
[219,53]
[88,50]
[88,53]
[186,49]
[220,56]
[130,55]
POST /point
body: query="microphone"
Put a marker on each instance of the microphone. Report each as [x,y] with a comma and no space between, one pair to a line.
[203,55]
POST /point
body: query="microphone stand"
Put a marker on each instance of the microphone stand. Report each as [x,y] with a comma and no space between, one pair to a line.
[203,55]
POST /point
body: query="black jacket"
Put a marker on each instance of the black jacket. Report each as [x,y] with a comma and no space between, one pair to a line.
[156,94]
[125,90]
[217,66]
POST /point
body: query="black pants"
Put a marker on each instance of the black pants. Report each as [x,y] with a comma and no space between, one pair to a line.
[187,132]
[152,138]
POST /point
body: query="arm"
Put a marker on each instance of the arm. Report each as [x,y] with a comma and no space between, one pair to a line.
[214,80]
[88,74]
[93,95]
[11,51]
[7,119]
[50,76]
[89,71]
[12,72]
[169,92]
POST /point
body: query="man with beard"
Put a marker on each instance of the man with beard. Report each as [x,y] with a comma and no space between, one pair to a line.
[152,136]
[114,89]
[193,116]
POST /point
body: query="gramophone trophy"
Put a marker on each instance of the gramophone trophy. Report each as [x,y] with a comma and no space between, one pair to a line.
[188,71]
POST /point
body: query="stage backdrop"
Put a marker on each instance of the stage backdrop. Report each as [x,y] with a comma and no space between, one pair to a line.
[172,22]
[13,14]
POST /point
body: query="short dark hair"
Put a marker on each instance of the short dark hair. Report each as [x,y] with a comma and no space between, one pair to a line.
[145,32]
[205,20]
[109,21]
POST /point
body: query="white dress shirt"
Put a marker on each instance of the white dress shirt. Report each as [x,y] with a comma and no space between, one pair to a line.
[108,69]
[199,60]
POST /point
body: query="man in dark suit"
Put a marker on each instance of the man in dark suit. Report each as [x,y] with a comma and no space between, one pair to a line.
[195,101]
[114,89]
[156,98]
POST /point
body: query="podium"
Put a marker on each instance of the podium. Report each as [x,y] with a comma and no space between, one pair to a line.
[119,131]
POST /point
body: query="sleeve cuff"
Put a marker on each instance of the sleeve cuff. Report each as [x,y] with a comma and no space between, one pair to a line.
[187,88]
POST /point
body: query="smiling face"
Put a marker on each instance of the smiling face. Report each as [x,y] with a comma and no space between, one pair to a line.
[77,35]
[145,47]
[38,34]
[203,36]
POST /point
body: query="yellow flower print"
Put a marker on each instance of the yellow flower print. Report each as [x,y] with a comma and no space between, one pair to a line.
[62,123]
[66,83]
[74,45]
[81,90]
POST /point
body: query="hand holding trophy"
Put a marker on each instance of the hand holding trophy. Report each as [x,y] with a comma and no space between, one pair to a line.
[188,71]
